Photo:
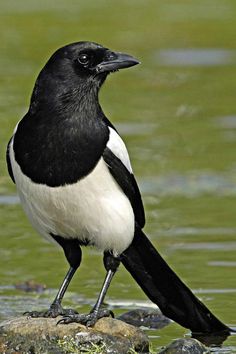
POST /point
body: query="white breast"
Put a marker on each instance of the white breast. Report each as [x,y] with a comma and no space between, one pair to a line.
[95,208]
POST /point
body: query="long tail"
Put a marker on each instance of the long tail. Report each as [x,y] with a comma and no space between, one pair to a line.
[164,288]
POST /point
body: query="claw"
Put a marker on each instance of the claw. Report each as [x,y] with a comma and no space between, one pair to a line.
[88,320]
[63,320]
[54,311]
[112,314]
[33,314]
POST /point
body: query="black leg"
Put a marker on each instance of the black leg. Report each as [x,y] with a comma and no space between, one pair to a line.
[72,252]
[64,285]
[111,264]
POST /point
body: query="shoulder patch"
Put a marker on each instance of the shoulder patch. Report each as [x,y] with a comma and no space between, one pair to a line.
[118,148]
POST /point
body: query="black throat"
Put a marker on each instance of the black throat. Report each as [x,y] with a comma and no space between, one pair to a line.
[62,137]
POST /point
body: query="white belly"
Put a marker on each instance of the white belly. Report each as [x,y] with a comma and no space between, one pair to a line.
[93,209]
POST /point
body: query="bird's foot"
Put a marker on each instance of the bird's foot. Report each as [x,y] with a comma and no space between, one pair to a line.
[88,320]
[54,311]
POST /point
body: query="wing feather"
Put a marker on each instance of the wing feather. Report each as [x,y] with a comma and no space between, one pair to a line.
[127,182]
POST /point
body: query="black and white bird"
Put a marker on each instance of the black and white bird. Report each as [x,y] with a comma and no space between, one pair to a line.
[74,178]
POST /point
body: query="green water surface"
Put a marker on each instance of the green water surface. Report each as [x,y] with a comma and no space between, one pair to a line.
[177,115]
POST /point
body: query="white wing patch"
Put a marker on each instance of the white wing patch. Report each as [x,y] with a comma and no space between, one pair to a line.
[117,146]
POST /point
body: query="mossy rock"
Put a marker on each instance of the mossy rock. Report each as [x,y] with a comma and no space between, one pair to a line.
[43,335]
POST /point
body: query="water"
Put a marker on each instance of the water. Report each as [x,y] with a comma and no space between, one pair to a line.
[176,113]
[196,57]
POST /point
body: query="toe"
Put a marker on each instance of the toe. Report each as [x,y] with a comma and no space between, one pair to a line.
[87,320]
[69,319]
[64,320]
[33,314]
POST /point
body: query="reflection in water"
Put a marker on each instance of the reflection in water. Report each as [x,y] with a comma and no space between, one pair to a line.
[215,291]
[214,246]
[227,122]
[222,264]
[216,339]
[190,184]
[135,129]
[9,199]
[197,231]
[195,57]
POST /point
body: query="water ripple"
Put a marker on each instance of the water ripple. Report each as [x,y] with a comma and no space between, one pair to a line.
[210,246]
[9,199]
[190,184]
[195,57]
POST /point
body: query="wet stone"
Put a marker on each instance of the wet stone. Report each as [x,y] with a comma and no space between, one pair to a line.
[182,345]
[43,335]
[145,317]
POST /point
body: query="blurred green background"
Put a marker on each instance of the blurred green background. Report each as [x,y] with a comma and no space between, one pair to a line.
[177,115]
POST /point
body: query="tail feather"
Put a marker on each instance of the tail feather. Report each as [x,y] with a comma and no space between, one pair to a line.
[165,288]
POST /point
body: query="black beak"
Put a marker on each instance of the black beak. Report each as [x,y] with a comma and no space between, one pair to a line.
[115,61]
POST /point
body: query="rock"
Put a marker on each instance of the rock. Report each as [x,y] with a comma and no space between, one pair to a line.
[146,317]
[42,335]
[185,345]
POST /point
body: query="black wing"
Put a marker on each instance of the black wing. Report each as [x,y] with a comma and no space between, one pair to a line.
[9,161]
[128,184]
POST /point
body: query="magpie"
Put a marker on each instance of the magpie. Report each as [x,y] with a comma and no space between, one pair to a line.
[76,185]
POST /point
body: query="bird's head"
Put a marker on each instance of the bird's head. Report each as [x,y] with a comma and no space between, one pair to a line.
[87,61]
[76,69]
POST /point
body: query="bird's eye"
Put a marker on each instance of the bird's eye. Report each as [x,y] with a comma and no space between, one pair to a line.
[83,59]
